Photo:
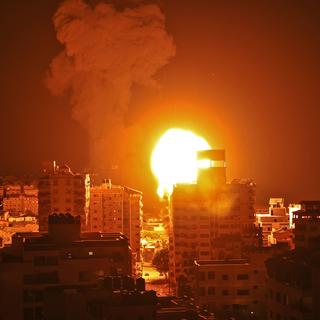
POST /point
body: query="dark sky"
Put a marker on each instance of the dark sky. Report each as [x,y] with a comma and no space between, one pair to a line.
[245,77]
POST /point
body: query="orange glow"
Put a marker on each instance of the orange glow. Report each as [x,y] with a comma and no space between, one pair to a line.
[174,159]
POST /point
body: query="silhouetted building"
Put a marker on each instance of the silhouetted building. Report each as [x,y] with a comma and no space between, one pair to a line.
[233,287]
[173,308]
[294,286]
[61,190]
[110,298]
[63,256]
[211,219]
[294,278]
[307,225]
[116,208]
[117,298]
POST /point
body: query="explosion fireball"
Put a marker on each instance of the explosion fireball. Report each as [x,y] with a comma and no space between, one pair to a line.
[174,159]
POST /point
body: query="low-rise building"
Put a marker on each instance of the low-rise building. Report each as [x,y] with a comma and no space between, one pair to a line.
[20,200]
[21,204]
[307,225]
[233,287]
[61,256]
[294,278]
[294,286]
[276,218]
[109,298]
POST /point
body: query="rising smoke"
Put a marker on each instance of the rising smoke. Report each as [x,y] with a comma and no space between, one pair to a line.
[106,51]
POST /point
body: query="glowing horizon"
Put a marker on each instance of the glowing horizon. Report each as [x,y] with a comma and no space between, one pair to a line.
[174,158]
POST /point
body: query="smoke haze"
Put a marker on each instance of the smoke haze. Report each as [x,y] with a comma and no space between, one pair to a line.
[105,53]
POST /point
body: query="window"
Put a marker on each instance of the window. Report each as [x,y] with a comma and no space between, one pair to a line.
[202,276]
[28,314]
[242,277]
[41,278]
[204,235]
[225,277]
[225,292]
[84,276]
[201,291]
[211,291]
[242,292]
[45,261]
[271,294]
[210,275]
[38,313]
[32,296]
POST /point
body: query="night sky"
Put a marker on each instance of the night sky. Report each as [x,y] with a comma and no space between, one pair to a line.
[245,76]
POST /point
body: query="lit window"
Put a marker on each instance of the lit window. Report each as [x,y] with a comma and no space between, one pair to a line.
[90,253]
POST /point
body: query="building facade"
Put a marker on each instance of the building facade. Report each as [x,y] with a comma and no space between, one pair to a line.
[61,190]
[307,225]
[294,277]
[63,256]
[21,200]
[211,219]
[116,208]
[232,288]
[111,298]
[275,220]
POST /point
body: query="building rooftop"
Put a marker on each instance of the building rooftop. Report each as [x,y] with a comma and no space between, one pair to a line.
[221,262]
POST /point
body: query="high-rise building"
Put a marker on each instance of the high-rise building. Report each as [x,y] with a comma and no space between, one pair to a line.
[63,256]
[116,208]
[211,219]
[63,191]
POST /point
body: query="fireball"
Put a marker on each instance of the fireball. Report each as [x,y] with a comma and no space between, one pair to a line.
[174,159]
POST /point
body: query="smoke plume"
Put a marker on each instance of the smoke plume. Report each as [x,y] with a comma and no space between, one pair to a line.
[105,52]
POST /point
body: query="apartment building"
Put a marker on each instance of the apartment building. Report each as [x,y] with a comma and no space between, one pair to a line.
[232,288]
[115,208]
[307,225]
[294,277]
[63,256]
[21,200]
[211,219]
[277,218]
[110,298]
[61,190]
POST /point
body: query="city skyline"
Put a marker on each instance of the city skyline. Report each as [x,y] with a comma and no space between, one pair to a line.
[160,160]
[244,77]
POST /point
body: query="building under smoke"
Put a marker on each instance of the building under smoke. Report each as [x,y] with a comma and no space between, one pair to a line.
[211,219]
[61,190]
[115,208]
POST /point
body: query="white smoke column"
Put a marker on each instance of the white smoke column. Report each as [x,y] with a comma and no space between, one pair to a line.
[105,53]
